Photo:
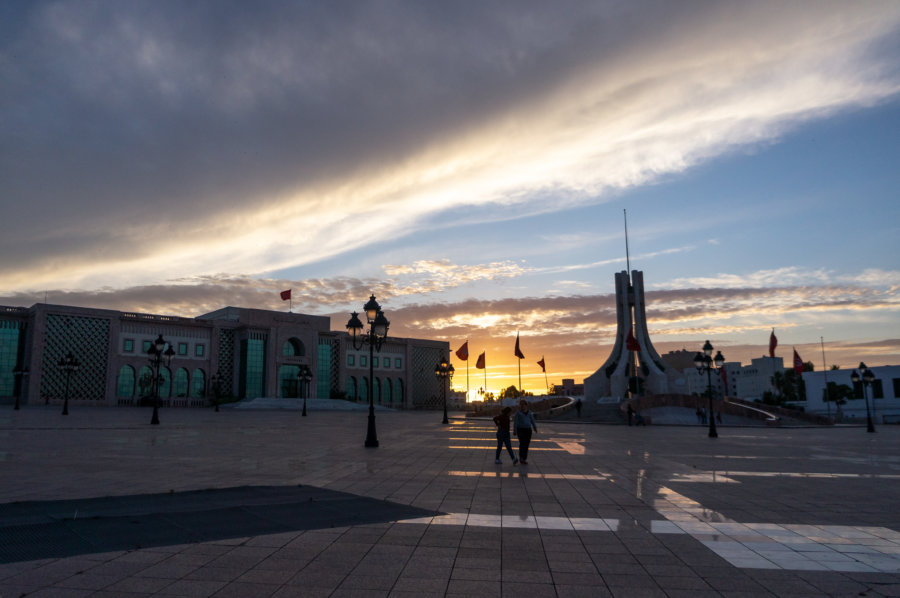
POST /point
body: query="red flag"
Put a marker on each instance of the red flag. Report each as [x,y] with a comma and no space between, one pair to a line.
[463,352]
[518,351]
[480,363]
[630,342]
[285,295]
[543,366]
[773,342]
[798,363]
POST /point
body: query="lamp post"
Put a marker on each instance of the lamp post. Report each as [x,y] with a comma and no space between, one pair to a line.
[68,364]
[375,337]
[444,371]
[304,378]
[20,372]
[158,354]
[704,363]
[867,378]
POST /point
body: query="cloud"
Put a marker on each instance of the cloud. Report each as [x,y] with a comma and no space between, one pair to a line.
[146,141]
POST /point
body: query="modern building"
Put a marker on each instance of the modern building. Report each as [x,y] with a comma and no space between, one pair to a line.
[251,352]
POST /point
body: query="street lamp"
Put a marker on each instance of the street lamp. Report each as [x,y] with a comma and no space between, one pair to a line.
[304,378]
[68,364]
[444,371]
[704,363]
[20,371]
[375,337]
[159,354]
[214,382]
[867,378]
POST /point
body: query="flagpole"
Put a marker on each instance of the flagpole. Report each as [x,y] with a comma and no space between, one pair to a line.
[825,374]
[467,370]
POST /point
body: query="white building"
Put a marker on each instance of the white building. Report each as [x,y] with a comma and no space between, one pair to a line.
[883,393]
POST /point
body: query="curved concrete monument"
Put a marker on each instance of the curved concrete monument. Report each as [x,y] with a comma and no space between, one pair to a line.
[611,380]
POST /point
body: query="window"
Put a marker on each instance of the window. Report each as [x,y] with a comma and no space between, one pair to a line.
[897,388]
[125,382]
[877,389]
[398,363]
[182,348]
[199,350]
[387,363]
[146,345]
[350,360]
[362,361]
[180,385]
[128,347]
[375,361]
[198,384]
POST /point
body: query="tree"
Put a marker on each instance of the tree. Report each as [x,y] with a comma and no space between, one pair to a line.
[510,392]
[838,394]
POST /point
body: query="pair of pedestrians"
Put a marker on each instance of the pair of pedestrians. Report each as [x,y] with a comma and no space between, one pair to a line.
[523,424]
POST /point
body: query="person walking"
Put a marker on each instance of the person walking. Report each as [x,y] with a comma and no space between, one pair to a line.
[523,423]
[502,422]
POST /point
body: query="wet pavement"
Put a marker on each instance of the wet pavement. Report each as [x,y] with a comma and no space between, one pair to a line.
[269,503]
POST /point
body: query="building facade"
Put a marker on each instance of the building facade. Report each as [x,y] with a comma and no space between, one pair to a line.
[883,395]
[250,353]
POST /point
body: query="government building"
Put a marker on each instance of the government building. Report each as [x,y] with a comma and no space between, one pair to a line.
[234,352]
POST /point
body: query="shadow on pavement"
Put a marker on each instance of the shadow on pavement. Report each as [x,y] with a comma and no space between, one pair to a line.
[62,528]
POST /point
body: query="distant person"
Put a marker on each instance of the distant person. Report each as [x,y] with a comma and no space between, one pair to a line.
[578,407]
[502,422]
[699,415]
[630,413]
[523,424]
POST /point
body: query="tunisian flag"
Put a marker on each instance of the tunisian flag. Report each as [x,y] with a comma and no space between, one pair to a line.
[463,352]
[518,351]
[286,295]
[798,363]
[480,363]
[773,342]
[543,365]
[630,342]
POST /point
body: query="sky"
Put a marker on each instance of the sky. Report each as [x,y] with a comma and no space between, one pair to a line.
[471,164]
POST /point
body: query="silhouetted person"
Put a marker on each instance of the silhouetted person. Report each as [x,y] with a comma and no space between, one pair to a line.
[578,407]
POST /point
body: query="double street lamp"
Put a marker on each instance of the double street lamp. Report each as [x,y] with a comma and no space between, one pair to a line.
[158,354]
[304,378]
[867,378]
[444,371]
[375,337]
[68,364]
[704,363]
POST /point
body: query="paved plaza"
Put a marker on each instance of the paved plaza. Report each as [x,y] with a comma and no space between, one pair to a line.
[246,503]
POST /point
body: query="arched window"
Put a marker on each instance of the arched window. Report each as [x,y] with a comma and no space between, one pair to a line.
[288,382]
[293,347]
[180,388]
[387,391]
[145,381]
[125,385]
[351,388]
[364,389]
[398,390]
[198,383]
[376,390]
[165,382]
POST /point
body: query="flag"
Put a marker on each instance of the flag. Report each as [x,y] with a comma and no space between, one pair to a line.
[631,343]
[480,363]
[285,295]
[518,351]
[463,352]
[798,363]
[543,366]
[773,342]
[724,382]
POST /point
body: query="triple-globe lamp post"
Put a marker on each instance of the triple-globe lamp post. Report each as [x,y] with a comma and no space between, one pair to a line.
[375,337]
[444,371]
[867,378]
[159,354]
[704,363]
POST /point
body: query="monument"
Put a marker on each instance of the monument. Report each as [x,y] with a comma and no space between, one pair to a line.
[634,367]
